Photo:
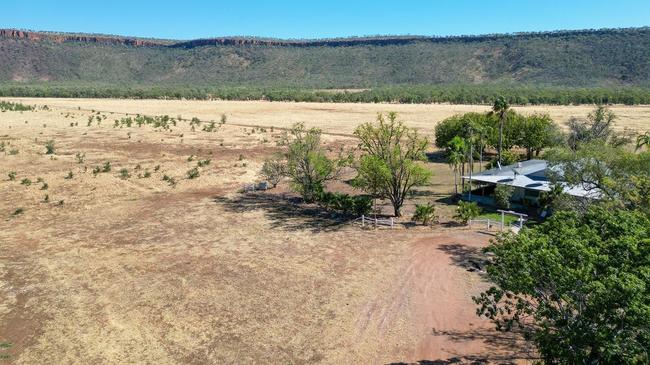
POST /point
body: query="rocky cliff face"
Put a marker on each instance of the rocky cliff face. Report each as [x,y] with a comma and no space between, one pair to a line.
[61,38]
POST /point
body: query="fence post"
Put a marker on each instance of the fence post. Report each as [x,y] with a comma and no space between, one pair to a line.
[391,222]
[363,221]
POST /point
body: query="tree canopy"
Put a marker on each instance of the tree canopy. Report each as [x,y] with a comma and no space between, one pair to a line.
[577,285]
[389,165]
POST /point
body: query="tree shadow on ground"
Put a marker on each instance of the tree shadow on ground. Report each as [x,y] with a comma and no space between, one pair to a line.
[284,211]
[500,348]
[437,156]
[469,258]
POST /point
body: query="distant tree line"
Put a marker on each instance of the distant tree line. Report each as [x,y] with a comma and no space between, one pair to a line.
[472,94]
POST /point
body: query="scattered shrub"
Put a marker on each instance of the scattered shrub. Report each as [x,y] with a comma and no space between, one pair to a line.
[273,171]
[44,186]
[205,162]
[12,175]
[424,213]
[193,173]
[107,167]
[69,176]
[467,211]
[49,147]
[81,157]
[124,174]
[18,211]
[26,182]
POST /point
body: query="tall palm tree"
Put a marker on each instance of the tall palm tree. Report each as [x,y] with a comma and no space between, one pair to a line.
[643,140]
[500,108]
[456,156]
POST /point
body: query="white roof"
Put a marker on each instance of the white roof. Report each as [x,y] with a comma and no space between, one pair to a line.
[529,175]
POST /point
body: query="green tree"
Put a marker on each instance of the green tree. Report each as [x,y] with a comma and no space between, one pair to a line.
[389,162]
[577,285]
[500,108]
[606,172]
[308,166]
[456,156]
[538,132]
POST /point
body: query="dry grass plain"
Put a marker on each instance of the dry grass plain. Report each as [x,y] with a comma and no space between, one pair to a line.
[133,270]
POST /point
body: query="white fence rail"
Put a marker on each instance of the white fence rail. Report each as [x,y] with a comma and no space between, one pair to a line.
[487,223]
[376,222]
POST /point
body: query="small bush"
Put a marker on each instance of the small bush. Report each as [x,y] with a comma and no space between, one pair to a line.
[467,211]
[190,158]
[12,175]
[44,186]
[13,151]
[19,211]
[193,173]
[170,180]
[46,198]
[273,171]
[49,147]
[205,162]
[424,213]
[156,168]
[69,176]
[124,174]
[81,157]
[26,182]
[502,195]
[107,167]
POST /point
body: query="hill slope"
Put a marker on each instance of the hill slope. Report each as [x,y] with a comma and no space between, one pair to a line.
[593,58]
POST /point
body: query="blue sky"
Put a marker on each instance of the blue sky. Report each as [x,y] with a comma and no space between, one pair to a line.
[319,19]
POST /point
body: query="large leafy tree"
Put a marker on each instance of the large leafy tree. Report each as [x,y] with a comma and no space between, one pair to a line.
[537,132]
[308,166]
[611,173]
[389,164]
[577,285]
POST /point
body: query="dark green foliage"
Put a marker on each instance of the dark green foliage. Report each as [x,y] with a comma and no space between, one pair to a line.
[12,175]
[69,176]
[576,285]
[26,182]
[355,205]
[19,211]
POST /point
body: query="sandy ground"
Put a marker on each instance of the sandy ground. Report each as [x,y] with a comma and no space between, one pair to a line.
[132,270]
